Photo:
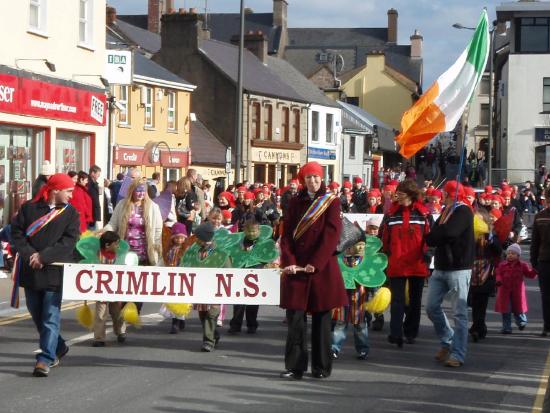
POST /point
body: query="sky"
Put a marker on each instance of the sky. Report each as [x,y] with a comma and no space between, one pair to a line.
[433,18]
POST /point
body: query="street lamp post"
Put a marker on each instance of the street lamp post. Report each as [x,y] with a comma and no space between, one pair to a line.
[239,111]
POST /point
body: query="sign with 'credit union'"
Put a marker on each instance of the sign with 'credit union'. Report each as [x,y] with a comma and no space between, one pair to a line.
[266,155]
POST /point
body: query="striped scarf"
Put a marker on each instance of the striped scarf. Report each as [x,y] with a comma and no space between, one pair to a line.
[313,213]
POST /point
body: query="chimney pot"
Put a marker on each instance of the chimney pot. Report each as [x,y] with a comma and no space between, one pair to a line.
[392,25]
[182,11]
[416,45]
[111,15]
[193,10]
[153,16]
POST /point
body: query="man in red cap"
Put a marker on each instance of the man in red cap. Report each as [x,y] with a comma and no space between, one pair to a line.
[453,238]
[359,197]
[44,231]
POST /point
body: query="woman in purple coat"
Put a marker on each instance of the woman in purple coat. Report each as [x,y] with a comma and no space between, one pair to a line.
[311,282]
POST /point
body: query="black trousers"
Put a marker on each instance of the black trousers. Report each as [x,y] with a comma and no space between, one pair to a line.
[296,354]
[479,302]
[398,309]
[239,312]
[543,269]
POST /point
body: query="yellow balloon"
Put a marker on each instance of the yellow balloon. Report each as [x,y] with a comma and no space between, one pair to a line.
[130,314]
[85,316]
[379,302]
[480,227]
[179,310]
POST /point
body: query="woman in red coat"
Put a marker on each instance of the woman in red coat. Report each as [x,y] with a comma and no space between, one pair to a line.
[403,233]
[311,280]
[82,201]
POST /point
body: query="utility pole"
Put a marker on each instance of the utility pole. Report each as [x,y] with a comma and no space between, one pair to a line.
[239,111]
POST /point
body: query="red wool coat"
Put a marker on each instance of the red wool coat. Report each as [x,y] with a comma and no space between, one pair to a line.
[323,290]
[511,294]
[82,202]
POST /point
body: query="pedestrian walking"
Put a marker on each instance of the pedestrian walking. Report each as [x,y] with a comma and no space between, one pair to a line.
[82,201]
[453,238]
[93,190]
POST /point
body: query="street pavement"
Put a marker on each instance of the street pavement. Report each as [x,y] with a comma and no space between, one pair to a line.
[158,372]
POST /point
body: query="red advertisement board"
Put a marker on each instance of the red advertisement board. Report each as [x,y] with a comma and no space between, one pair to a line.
[24,96]
[130,156]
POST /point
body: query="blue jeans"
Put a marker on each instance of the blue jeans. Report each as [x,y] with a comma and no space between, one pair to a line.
[456,284]
[360,336]
[45,309]
[521,321]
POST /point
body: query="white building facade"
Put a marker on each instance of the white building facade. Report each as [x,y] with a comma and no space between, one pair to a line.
[325,139]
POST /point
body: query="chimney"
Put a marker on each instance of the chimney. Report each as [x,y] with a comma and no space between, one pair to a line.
[153,16]
[280,13]
[183,31]
[392,26]
[111,15]
[255,42]
[416,45]
[169,6]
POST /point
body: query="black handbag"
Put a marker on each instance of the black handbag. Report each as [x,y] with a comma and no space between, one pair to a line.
[351,235]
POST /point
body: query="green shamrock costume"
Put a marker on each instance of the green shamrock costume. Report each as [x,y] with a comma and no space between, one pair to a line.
[370,271]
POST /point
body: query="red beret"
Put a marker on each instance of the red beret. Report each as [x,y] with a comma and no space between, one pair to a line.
[453,188]
[357,180]
[310,168]
[249,195]
[333,185]
[506,194]
[437,193]
[390,188]
[372,194]
[469,191]
[347,184]
[497,213]
[230,198]
[489,189]
[242,189]
[226,213]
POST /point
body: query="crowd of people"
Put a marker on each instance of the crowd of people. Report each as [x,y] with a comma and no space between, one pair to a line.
[451,238]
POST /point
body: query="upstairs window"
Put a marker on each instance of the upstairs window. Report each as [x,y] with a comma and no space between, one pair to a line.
[285,123]
[315,126]
[352,147]
[546,94]
[149,107]
[330,127]
[172,111]
[255,121]
[85,22]
[296,125]
[268,122]
[37,15]
[533,35]
[123,102]
[484,115]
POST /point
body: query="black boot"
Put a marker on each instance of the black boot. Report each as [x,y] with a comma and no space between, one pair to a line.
[174,328]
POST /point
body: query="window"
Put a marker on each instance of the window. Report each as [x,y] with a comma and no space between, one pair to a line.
[353,100]
[123,102]
[255,121]
[37,15]
[268,122]
[546,94]
[149,107]
[284,124]
[315,126]
[484,88]
[352,147]
[484,115]
[85,22]
[533,35]
[296,125]
[172,111]
[330,128]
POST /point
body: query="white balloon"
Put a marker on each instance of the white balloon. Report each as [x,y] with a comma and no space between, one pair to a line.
[131,259]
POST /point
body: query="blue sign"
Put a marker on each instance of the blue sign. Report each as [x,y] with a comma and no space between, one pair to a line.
[542,134]
[320,153]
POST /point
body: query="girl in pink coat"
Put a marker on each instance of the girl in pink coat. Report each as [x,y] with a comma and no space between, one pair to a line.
[511,296]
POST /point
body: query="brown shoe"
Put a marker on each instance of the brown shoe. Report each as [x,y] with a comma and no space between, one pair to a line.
[452,362]
[41,369]
[442,354]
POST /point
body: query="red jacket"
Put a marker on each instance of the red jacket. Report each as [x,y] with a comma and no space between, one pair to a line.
[82,202]
[323,290]
[511,293]
[403,233]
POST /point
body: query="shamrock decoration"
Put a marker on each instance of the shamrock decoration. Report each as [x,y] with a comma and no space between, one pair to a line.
[263,251]
[89,247]
[370,271]
[216,259]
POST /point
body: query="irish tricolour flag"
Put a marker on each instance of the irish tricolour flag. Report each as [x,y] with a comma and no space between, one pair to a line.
[440,108]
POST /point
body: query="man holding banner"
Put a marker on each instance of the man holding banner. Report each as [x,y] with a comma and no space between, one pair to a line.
[45,231]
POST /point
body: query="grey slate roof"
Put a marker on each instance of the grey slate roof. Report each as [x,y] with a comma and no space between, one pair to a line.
[206,148]
[353,117]
[143,38]
[258,78]
[336,37]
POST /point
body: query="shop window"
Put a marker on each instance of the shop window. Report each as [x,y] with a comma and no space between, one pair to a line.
[259,172]
[272,174]
[315,126]
[171,174]
[149,107]
[255,121]
[38,15]
[172,111]
[285,114]
[330,127]
[123,101]
[291,171]
[268,122]
[72,152]
[85,22]
[296,125]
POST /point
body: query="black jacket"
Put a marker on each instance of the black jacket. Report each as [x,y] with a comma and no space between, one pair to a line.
[93,190]
[454,240]
[540,238]
[285,200]
[55,243]
[359,199]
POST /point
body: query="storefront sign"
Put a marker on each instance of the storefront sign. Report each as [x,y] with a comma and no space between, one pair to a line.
[321,153]
[542,134]
[171,284]
[131,156]
[118,69]
[265,155]
[30,97]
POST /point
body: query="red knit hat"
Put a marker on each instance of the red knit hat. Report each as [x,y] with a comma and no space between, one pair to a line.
[390,188]
[347,184]
[372,194]
[506,194]
[310,168]
[437,193]
[469,191]
[489,189]
[226,214]
[242,189]
[230,198]
[357,180]
[57,182]
[497,213]
[334,185]
[452,188]
[249,195]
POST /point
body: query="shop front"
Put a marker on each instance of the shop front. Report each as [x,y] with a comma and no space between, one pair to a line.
[43,119]
[276,166]
[171,163]
[327,158]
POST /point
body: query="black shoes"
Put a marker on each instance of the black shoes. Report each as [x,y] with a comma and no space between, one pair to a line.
[234,330]
[98,344]
[396,340]
[41,369]
[181,325]
[334,354]
[410,340]
[251,330]
[319,375]
[363,355]
[173,329]
[121,338]
[207,348]
[291,375]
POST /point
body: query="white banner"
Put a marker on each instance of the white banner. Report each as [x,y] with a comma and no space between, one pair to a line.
[97,282]
[362,219]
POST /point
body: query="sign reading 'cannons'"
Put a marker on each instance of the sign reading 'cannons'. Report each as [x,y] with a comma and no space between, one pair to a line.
[171,284]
